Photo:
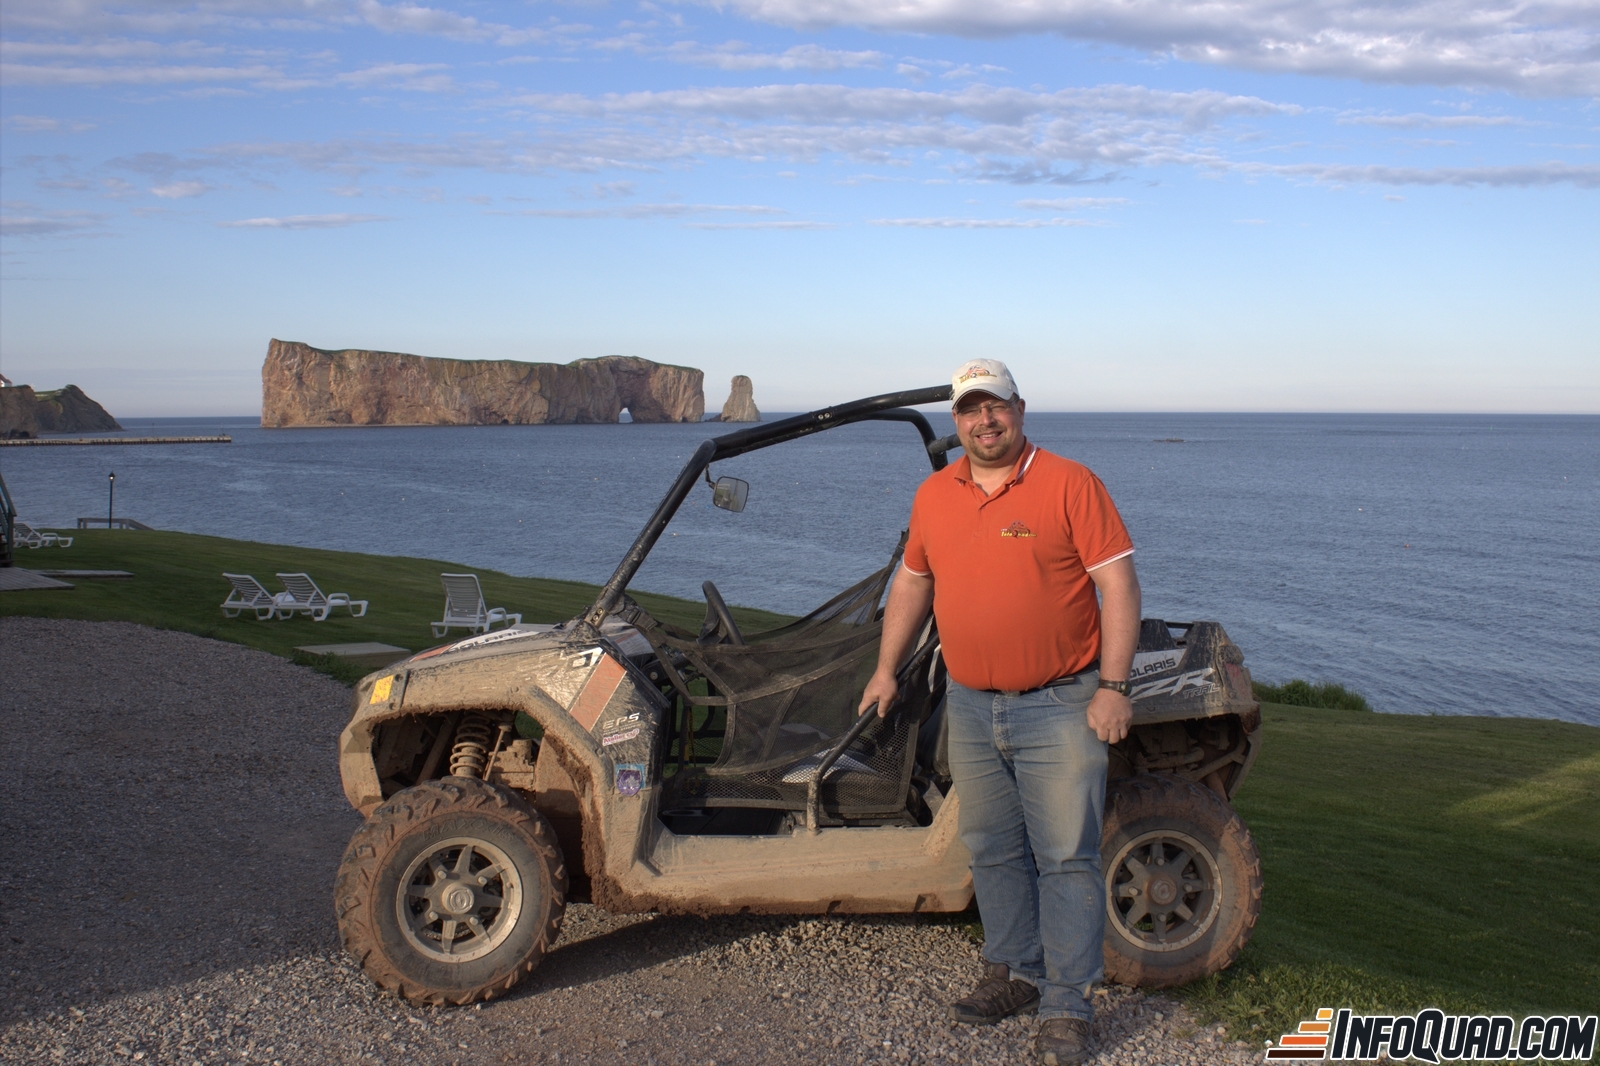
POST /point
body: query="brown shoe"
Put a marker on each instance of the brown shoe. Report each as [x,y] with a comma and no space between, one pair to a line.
[1063,1041]
[999,996]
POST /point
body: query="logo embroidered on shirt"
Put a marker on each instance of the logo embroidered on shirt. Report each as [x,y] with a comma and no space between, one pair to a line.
[1017,529]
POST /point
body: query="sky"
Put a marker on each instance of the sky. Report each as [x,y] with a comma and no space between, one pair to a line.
[1227,205]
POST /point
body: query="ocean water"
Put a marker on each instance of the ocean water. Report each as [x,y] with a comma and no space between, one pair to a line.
[1437,564]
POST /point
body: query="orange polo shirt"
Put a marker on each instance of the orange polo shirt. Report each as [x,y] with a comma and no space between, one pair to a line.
[1012,594]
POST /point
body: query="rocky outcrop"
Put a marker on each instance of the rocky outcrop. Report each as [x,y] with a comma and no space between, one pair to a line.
[306,386]
[741,405]
[18,412]
[25,413]
[653,392]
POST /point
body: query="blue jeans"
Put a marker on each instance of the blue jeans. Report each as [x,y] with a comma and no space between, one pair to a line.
[1031,775]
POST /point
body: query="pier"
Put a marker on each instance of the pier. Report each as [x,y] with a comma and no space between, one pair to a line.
[39,441]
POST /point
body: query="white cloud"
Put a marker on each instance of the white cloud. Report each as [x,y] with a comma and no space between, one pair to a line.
[89,77]
[797,225]
[1540,48]
[734,56]
[50,223]
[1073,203]
[1583,176]
[44,124]
[821,102]
[417,77]
[1072,137]
[638,211]
[180,190]
[1420,121]
[982,223]
[303,222]
[1075,137]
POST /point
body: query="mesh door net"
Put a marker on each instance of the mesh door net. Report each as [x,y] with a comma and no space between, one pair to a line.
[789,695]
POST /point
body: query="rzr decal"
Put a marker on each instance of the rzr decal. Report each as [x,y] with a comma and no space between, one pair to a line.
[1171,686]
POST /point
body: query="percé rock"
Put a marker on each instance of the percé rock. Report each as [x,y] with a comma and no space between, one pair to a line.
[741,405]
[24,412]
[306,386]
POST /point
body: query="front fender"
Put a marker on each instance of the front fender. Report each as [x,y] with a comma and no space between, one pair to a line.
[602,712]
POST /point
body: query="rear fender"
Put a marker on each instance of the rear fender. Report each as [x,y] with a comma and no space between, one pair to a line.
[1194,713]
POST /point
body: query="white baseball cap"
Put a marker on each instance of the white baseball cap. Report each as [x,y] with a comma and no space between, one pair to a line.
[982,375]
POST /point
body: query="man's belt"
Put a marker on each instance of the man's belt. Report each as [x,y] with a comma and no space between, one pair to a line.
[1070,679]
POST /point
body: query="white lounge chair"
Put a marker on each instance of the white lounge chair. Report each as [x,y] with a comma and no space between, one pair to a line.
[248,595]
[301,596]
[464,606]
[29,537]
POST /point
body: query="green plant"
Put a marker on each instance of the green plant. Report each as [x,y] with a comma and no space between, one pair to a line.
[1299,693]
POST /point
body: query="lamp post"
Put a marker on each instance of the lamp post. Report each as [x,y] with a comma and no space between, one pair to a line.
[111,497]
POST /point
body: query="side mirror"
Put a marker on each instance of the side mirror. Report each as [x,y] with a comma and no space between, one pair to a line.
[729,493]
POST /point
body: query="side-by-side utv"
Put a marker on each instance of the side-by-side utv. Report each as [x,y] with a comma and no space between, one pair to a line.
[617,758]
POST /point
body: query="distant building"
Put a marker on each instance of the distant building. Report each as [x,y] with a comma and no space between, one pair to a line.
[5,382]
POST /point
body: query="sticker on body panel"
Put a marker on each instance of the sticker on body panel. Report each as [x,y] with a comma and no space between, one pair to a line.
[1197,680]
[1149,663]
[630,778]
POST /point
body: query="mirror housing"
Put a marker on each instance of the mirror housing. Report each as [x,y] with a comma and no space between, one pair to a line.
[729,493]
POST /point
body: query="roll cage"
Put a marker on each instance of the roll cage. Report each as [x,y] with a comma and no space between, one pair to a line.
[889,407]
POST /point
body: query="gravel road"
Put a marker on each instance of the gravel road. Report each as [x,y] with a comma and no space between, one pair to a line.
[175,818]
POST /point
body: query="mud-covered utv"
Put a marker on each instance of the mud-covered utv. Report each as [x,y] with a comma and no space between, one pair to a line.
[617,758]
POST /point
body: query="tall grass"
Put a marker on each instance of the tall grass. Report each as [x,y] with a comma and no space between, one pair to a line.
[1299,693]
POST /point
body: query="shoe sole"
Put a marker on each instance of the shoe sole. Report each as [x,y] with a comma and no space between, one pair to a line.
[992,1019]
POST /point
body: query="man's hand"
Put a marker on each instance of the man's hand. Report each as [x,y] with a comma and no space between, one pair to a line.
[881,690]
[1110,714]
[907,608]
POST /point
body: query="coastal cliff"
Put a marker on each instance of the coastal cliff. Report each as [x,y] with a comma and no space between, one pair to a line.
[306,386]
[25,413]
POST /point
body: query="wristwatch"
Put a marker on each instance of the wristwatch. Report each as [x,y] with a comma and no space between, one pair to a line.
[1121,688]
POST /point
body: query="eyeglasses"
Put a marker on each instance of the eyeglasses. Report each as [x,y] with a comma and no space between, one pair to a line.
[988,410]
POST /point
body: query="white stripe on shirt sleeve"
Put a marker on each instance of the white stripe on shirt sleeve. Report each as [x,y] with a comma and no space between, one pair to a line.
[919,573]
[1104,562]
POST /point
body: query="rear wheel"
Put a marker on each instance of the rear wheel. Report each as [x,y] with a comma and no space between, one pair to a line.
[451,892]
[1183,881]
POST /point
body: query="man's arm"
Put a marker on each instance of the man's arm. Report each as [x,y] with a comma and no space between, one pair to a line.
[1111,713]
[909,599]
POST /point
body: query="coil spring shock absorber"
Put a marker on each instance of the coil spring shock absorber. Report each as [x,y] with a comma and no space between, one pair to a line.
[471,751]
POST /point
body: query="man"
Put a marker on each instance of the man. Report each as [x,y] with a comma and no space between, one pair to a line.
[1009,546]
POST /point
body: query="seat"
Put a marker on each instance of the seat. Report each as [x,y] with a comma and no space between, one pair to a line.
[29,537]
[248,595]
[301,596]
[464,606]
[775,705]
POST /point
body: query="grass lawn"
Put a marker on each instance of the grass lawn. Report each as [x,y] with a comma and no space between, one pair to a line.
[1409,861]
[178,584]
[1415,861]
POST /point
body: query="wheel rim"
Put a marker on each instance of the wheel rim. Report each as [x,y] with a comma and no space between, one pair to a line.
[1163,893]
[459,900]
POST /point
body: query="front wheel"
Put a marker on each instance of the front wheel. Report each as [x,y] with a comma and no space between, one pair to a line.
[451,892]
[1183,881]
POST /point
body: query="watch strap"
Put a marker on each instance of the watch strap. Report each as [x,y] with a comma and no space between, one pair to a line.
[1123,688]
